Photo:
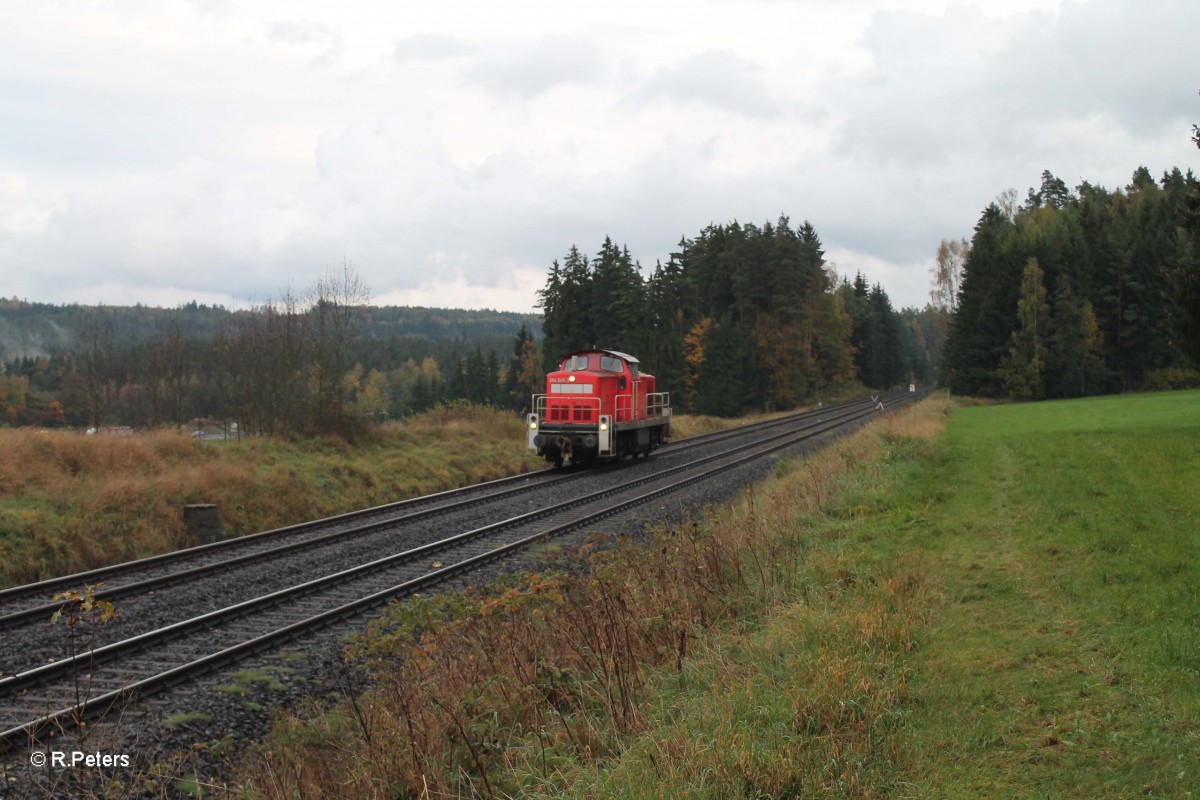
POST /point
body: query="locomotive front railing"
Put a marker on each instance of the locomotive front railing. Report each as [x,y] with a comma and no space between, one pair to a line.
[566,408]
[658,404]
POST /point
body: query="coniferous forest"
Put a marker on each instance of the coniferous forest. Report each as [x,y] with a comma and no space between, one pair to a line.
[739,317]
[1081,292]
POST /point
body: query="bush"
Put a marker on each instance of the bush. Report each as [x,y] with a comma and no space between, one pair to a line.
[1171,378]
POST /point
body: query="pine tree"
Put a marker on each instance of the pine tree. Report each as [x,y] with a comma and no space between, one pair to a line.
[726,380]
[884,359]
[1023,370]
[618,295]
[568,305]
[1073,364]
[554,315]
[1054,192]
[981,329]
[671,310]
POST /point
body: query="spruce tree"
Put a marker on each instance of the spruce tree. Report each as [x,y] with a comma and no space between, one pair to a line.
[1023,369]
[982,327]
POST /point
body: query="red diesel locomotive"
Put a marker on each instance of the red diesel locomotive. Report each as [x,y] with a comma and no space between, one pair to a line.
[598,405]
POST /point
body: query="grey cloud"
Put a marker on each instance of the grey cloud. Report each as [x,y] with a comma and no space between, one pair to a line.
[1126,60]
[935,94]
[213,7]
[921,100]
[955,108]
[539,65]
[294,32]
[60,126]
[313,35]
[717,78]
[430,46]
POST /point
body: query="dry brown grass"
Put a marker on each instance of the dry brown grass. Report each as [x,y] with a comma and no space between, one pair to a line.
[685,425]
[45,460]
[70,502]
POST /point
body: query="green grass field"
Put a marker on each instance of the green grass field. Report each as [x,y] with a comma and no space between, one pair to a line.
[1008,610]
[1064,657]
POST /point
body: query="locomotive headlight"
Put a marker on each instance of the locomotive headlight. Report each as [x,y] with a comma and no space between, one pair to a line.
[603,426]
[533,425]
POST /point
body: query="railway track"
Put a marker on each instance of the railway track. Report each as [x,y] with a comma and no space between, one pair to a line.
[31,603]
[40,698]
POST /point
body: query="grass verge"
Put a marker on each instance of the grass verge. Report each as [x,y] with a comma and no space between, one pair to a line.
[1066,657]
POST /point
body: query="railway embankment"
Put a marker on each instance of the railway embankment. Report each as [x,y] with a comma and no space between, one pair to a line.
[71,502]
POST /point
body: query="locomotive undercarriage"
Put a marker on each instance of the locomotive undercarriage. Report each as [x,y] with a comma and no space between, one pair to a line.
[577,444]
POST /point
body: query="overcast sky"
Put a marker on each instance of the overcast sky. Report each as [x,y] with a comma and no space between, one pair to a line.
[160,151]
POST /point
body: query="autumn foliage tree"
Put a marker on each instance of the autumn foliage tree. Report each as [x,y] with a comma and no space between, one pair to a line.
[947,272]
[524,376]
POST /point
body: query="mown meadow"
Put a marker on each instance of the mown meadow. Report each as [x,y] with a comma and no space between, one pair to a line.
[959,601]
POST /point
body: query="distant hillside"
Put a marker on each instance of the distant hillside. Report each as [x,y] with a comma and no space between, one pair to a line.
[41,329]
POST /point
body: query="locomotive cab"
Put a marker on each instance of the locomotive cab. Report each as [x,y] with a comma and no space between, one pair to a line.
[598,405]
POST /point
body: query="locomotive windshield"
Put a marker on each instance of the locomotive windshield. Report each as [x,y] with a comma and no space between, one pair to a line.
[610,364]
[575,363]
